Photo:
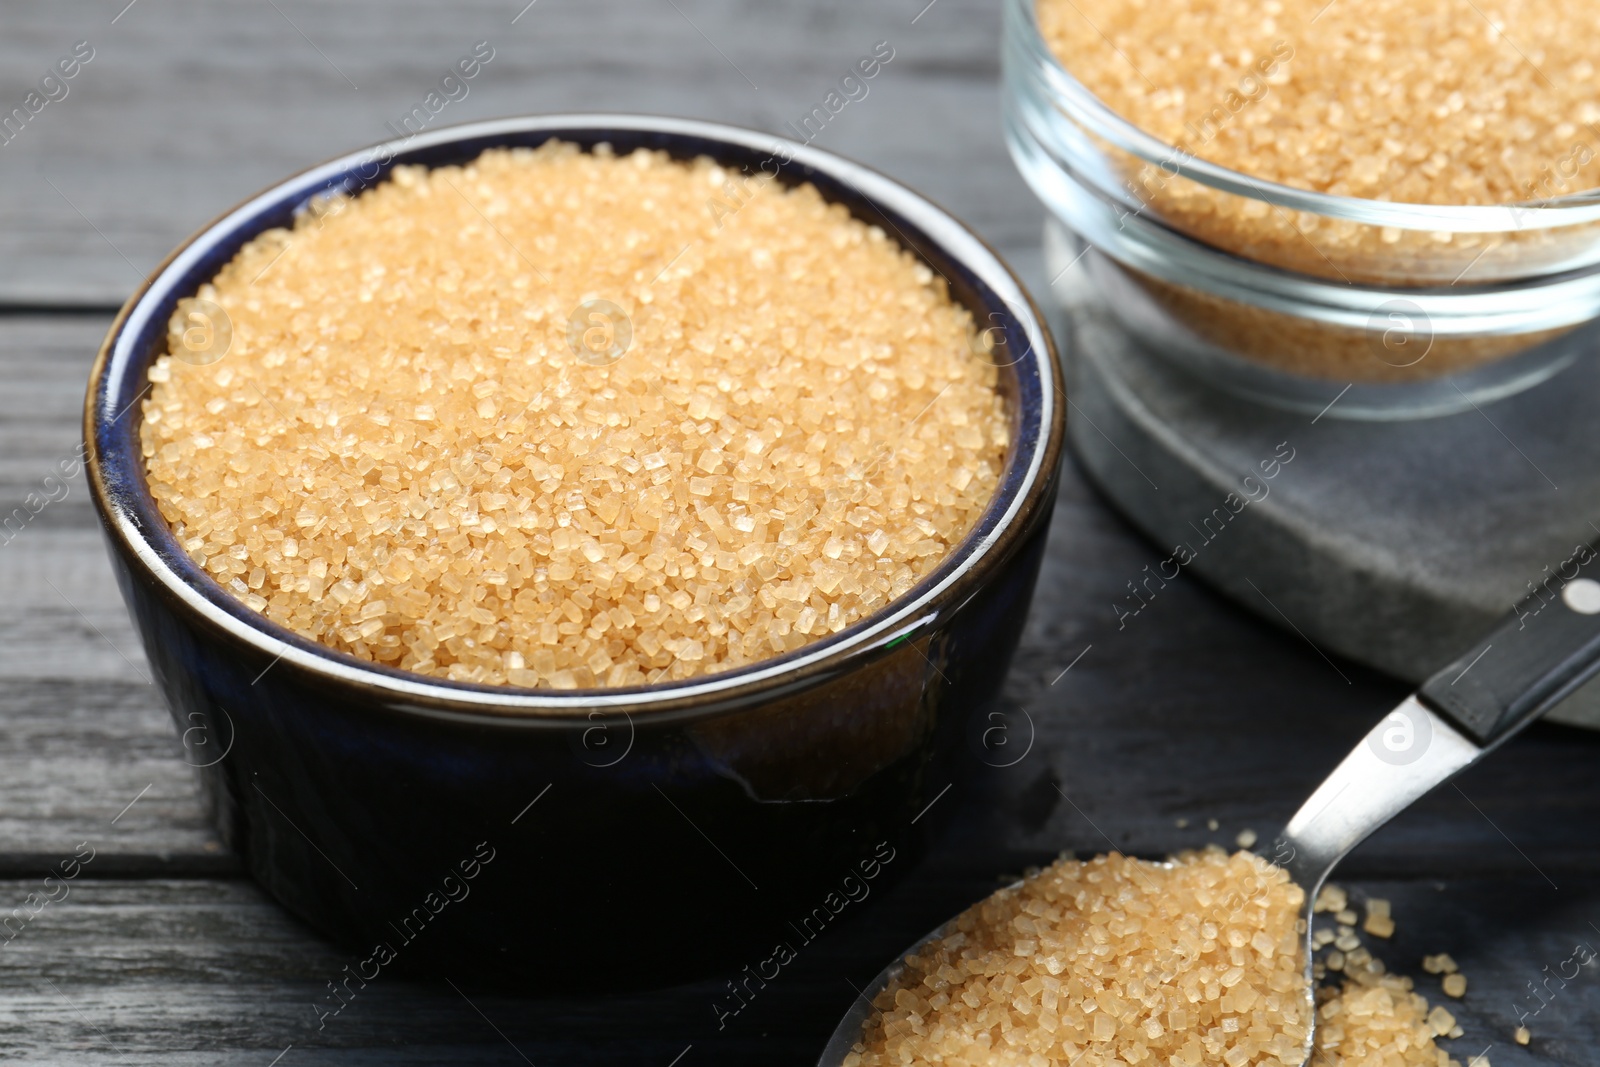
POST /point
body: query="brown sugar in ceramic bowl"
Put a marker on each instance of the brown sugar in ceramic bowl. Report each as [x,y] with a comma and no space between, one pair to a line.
[550,835]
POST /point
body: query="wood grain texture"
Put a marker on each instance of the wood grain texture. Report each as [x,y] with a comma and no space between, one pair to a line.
[190,106]
[83,732]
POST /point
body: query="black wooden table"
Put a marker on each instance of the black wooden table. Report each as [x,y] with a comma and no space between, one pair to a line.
[1190,711]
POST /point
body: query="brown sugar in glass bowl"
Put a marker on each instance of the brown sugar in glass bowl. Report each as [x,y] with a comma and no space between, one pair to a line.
[1421,102]
[349,787]
[1293,197]
[573,419]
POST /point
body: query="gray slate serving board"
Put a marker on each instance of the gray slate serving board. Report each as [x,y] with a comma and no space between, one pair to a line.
[1397,544]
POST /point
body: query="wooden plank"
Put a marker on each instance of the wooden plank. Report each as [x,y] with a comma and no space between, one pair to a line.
[189,106]
[44,363]
[84,733]
[98,762]
[166,971]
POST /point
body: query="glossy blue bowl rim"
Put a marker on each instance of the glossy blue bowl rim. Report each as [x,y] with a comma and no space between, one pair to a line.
[117,383]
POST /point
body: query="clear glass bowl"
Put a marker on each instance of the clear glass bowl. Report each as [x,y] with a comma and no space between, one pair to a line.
[1292,296]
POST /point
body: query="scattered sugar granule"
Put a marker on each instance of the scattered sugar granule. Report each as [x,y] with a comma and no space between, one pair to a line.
[1246,839]
[1378,923]
[1331,899]
[1455,984]
[1440,964]
[1522,1035]
[423,446]
[1376,1019]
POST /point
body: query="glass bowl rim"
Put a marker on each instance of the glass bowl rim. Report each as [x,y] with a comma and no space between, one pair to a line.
[1071,94]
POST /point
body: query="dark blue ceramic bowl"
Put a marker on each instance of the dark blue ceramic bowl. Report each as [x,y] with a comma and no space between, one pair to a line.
[641,833]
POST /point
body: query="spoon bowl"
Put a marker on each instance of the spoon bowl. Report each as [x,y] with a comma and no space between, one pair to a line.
[850,1027]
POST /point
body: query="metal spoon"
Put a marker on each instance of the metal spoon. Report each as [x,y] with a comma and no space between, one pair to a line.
[1535,658]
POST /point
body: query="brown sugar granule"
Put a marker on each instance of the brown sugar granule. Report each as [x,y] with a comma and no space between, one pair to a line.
[779,422]
[1448,102]
[1377,1020]
[1331,898]
[1372,1018]
[1109,961]
[1440,964]
[1379,922]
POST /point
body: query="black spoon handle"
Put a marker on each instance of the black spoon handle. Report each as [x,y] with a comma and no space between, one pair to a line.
[1546,648]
